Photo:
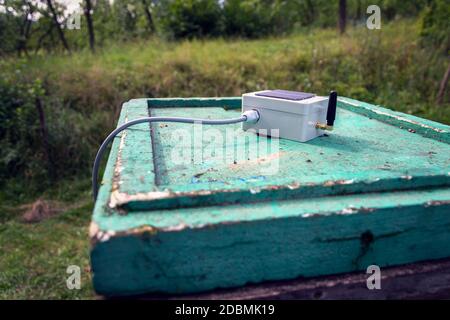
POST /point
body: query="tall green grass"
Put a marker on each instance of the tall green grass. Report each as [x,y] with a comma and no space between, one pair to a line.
[84,92]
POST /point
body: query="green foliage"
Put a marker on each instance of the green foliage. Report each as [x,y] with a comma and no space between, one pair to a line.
[82,94]
[191,18]
[401,8]
[249,18]
[8,34]
[34,257]
[127,19]
[436,25]
[19,129]
[26,151]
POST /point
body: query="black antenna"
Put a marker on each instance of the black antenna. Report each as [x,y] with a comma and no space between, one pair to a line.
[331,112]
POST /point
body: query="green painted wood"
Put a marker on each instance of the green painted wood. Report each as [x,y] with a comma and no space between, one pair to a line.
[372,192]
[361,155]
[424,127]
[226,103]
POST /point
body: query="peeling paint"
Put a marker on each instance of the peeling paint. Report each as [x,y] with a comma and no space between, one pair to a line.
[118,198]
[394,116]
[124,196]
[348,102]
[338,182]
[239,223]
[349,210]
[93,229]
[409,121]
[238,187]
[97,235]
[436,203]
[118,167]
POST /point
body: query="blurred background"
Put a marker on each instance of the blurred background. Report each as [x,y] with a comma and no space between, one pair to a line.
[67,66]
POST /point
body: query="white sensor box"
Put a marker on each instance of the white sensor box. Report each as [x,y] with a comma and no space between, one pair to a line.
[294,114]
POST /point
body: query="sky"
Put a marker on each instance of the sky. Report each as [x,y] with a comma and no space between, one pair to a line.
[72,5]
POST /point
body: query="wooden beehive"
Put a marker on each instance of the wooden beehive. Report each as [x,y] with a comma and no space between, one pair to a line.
[374,191]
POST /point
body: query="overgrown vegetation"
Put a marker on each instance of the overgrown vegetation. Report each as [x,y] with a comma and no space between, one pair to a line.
[28,27]
[34,257]
[81,95]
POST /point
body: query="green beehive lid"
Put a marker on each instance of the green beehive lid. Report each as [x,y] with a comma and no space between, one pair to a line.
[373,191]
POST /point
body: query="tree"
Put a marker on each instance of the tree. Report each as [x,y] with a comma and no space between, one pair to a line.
[435,34]
[311,11]
[443,86]
[125,18]
[106,22]
[252,18]
[16,25]
[25,27]
[44,137]
[191,18]
[435,30]
[342,15]
[148,15]
[57,25]
[90,24]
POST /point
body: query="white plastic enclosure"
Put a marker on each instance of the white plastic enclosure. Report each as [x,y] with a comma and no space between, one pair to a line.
[295,119]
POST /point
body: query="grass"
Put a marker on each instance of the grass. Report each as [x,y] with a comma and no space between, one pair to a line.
[84,93]
[380,66]
[34,257]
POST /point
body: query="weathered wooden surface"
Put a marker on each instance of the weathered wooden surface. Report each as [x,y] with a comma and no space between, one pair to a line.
[375,191]
[422,280]
[361,155]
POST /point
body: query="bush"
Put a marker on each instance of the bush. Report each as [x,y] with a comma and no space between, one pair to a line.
[19,135]
[83,93]
[436,25]
[191,18]
[43,139]
[248,18]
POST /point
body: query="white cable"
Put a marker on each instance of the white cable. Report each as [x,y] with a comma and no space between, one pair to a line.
[248,116]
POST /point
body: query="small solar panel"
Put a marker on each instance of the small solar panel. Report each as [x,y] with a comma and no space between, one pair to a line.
[286,94]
